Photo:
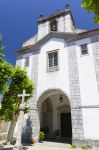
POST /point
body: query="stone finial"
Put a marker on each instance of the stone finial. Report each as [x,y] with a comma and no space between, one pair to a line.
[67,7]
[41,16]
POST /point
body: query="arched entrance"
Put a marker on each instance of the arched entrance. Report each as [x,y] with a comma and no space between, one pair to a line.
[55,114]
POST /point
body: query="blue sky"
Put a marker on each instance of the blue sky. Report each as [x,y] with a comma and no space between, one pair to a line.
[18,20]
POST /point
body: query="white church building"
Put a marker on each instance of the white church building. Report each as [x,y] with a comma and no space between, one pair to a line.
[63,62]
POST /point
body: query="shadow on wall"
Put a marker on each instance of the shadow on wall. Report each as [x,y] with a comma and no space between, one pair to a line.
[27,130]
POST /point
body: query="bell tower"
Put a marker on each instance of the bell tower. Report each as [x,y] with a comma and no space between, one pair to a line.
[60,21]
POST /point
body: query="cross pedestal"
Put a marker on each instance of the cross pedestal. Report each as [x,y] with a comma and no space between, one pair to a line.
[18,145]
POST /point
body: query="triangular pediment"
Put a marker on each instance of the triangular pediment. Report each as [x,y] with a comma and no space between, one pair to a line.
[46,38]
[58,35]
[68,37]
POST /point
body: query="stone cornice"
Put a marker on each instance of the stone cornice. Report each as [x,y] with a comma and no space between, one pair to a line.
[56,15]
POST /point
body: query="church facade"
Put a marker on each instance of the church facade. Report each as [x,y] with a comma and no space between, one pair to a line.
[63,62]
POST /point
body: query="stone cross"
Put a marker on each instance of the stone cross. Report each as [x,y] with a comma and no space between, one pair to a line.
[23,95]
[18,145]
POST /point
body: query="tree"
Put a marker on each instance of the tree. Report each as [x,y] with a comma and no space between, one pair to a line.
[6,70]
[92,6]
[1,48]
[18,82]
[13,80]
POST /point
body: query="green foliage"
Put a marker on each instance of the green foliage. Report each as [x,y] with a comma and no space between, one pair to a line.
[6,72]
[1,49]
[41,136]
[45,130]
[84,147]
[27,109]
[10,103]
[13,80]
[73,146]
[92,6]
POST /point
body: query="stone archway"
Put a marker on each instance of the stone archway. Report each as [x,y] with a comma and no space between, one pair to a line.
[55,106]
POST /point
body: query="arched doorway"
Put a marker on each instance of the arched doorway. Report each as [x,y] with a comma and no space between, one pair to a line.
[55,113]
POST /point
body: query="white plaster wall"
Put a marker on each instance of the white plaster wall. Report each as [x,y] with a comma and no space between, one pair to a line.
[43,29]
[68,24]
[53,80]
[31,41]
[87,76]
[61,24]
[89,91]
[91,123]
[22,64]
[29,68]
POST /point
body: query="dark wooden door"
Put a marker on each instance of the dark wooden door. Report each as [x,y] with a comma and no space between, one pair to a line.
[66,127]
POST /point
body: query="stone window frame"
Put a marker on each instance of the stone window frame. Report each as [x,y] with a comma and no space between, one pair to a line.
[54,68]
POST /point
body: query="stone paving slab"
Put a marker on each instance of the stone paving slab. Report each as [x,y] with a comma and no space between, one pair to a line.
[5,147]
[52,146]
[46,146]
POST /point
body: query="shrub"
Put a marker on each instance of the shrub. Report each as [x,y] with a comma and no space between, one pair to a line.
[45,130]
[41,136]
[84,147]
[73,146]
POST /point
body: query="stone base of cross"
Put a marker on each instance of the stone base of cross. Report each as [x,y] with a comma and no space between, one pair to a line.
[18,145]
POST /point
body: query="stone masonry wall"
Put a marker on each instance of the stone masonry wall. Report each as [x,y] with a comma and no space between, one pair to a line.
[75,99]
[4,127]
[32,125]
[95,47]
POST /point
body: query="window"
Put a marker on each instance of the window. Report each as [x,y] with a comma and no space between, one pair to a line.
[84,49]
[53,25]
[26,61]
[53,60]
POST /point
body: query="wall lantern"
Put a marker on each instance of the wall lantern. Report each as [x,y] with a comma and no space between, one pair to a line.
[61,99]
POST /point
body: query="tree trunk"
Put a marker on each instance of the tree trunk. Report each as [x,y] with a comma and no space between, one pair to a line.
[11,130]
